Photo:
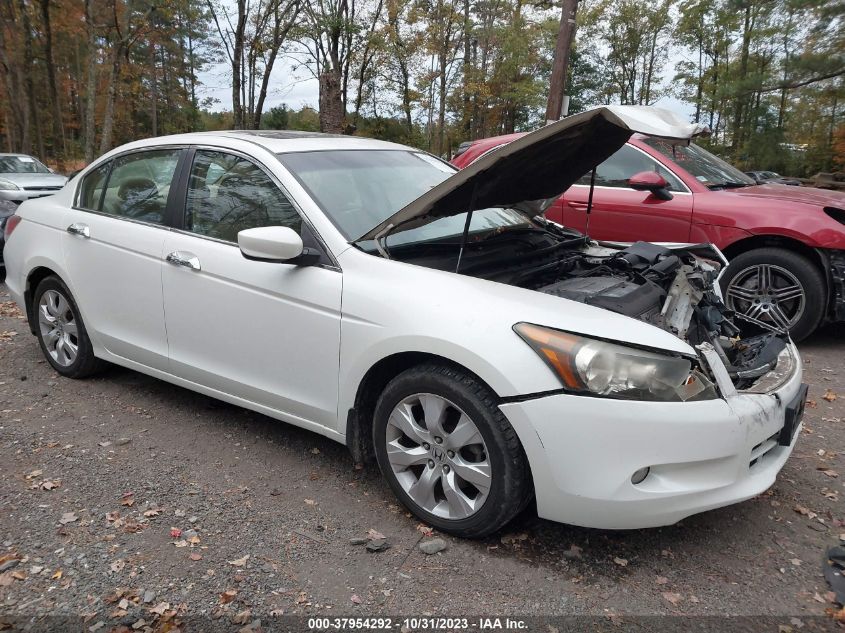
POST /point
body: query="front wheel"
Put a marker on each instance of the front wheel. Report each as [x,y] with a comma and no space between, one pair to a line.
[60,330]
[777,287]
[448,452]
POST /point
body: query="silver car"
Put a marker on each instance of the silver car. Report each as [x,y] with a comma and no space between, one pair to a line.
[23,177]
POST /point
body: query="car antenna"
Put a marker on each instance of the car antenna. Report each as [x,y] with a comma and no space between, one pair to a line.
[590,201]
[465,235]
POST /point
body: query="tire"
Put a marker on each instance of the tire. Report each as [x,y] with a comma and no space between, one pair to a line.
[60,329]
[800,311]
[488,452]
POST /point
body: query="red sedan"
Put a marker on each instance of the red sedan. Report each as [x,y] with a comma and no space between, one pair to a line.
[786,245]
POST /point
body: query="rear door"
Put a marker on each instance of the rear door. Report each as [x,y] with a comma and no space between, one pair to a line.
[268,333]
[113,248]
[621,213]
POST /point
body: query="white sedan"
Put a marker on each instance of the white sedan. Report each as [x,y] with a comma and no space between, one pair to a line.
[431,320]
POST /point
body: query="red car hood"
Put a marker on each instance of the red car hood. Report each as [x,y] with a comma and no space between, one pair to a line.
[806,195]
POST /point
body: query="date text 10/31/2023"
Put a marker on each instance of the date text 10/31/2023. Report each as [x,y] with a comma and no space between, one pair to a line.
[415,624]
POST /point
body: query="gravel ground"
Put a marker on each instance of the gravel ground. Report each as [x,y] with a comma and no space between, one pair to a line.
[99,476]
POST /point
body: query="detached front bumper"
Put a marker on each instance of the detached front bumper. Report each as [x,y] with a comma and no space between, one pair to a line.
[702,455]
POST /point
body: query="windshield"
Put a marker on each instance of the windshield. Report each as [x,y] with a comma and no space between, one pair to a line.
[708,169]
[21,165]
[358,189]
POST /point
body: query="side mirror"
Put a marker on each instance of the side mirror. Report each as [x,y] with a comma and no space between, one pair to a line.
[276,244]
[650,181]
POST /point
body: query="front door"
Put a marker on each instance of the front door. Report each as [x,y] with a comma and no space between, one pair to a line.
[268,333]
[622,214]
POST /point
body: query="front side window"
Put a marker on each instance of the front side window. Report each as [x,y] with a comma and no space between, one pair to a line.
[139,184]
[93,185]
[227,194]
[627,161]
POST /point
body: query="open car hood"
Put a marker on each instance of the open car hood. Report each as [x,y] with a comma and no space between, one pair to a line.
[530,172]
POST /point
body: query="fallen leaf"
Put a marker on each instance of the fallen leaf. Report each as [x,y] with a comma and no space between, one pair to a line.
[425,530]
[57,575]
[622,562]
[68,517]
[355,598]
[310,502]
[175,532]
[194,540]
[118,565]
[374,535]
[240,562]
[828,472]
[829,395]
[34,474]
[18,575]
[819,598]
[805,512]
[160,608]
[661,580]
[6,579]
[128,499]
[182,543]
[242,617]
[811,404]
[152,513]
[49,485]
[195,556]
[674,598]
[301,597]
[796,561]
[315,451]
[227,596]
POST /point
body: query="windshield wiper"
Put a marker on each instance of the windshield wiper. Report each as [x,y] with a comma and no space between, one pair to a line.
[728,184]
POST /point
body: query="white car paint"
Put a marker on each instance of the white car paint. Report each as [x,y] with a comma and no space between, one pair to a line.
[295,343]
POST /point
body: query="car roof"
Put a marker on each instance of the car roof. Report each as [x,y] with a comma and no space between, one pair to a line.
[276,141]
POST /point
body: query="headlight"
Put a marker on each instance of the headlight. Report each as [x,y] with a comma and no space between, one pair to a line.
[7,185]
[589,366]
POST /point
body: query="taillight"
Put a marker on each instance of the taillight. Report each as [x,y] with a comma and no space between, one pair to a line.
[11,223]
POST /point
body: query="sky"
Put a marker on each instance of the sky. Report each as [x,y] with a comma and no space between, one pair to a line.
[297,87]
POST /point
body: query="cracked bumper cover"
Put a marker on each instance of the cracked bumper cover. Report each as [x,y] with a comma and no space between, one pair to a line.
[702,455]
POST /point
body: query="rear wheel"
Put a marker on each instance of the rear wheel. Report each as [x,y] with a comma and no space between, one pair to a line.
[60,330]
[448,452]
[778,287]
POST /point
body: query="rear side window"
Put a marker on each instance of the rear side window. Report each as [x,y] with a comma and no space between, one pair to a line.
[139,184]
[227,194]
[93,184]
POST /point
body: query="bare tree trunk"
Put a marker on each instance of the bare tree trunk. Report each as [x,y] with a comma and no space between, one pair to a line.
[27,79]
[331,103]
[736,139]
[111,95]
[153,90]
[91,88]
[237,62]
[58,128]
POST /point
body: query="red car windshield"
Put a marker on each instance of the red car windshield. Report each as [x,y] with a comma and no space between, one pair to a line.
[708,169]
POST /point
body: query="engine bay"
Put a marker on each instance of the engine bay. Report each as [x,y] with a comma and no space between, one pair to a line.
[673,290]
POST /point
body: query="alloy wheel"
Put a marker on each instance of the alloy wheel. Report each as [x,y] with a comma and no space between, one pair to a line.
[58,327]
[438,456]
[767,293]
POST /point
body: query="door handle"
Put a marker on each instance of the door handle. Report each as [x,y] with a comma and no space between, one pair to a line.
[183,258]
[80,229]
[578,206]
